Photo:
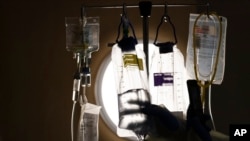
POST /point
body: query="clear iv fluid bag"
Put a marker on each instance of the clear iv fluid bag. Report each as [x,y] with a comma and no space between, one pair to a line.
[132,90]
[88,124]
[91,34]
[207,31]
[82,35]
[167,80]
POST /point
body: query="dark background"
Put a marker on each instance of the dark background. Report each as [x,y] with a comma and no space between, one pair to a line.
[36,70]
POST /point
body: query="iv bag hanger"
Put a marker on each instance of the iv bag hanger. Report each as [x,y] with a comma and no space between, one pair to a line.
[145,11]
[127,42]
[166,46]
[207,10]
[165,18]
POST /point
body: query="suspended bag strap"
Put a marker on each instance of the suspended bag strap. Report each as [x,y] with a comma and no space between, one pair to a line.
[126,24]
[126,43]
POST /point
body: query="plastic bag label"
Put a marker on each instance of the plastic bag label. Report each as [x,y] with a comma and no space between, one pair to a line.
[90,127]
[132,60]
[163,79]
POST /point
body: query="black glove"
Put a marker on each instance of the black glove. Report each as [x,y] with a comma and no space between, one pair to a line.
[196,119]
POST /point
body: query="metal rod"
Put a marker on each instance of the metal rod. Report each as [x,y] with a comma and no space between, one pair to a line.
[146,40]
[136,6]
[145,11]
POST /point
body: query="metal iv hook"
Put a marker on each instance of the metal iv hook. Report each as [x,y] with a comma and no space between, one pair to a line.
[126,24]
[207,10]
[166,18]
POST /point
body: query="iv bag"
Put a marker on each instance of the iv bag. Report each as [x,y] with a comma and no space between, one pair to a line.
[82,34]
[129,69]
[91,34]
[74,38]
[207,31]
[88,124]
[167,80]
[132,90]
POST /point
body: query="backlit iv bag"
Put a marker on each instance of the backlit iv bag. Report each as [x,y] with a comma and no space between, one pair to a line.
[167,79]
[209,40]
[91,35]
[132,90]
[82,34]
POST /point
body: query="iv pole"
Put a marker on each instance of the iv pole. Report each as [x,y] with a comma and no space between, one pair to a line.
[145,12]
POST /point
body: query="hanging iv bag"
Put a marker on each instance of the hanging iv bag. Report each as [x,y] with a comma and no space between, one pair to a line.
[91,35]
[88,124]
[167,80]
[132,90]
[82,34]
[207,41]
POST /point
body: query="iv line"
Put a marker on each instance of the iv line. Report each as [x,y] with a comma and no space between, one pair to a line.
[209,107]
[72,121]
[77,97]
[205,85]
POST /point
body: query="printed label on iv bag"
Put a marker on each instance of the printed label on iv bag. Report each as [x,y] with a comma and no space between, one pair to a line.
[163,79]
[206,42]
[88,125]
[132,60]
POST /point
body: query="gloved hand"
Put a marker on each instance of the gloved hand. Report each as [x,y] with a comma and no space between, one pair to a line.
[196,119]
[167,127]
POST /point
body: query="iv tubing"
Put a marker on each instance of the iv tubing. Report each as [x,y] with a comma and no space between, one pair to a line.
[209,107]
[72,121]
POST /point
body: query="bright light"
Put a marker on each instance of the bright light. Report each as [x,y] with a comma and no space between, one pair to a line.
[105,91]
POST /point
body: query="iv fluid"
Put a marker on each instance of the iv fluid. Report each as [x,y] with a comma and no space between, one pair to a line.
[82,34]
[167,81]
[132,90]
[74,36]
[207,39]
[91,34]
